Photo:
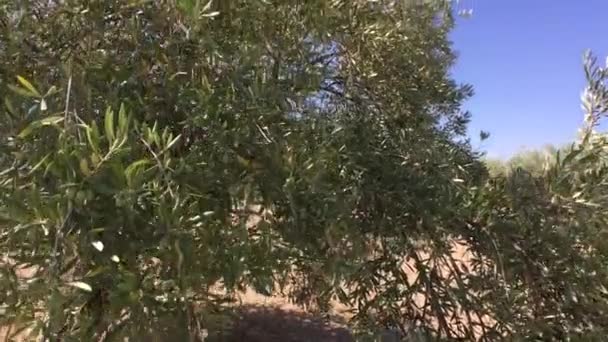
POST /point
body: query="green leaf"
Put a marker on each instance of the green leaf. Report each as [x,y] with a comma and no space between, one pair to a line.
[9,106]
[211,14]
[207,6]
[109,125]
[84,167]
[97,230]
[123,122]
[93,136]
[21,91]
[51,91]
[133,170]
[51,120]
[81,285]
[172,142]
[95,159]
[96,271]
[40,163]
[153,137]
[28,86]
[48,121]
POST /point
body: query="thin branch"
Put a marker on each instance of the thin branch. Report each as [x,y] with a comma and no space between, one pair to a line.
[54,267]
[263,133]
[67,102]
[113,327]
[159,164]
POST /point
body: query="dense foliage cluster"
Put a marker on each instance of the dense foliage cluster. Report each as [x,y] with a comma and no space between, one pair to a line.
[140,139]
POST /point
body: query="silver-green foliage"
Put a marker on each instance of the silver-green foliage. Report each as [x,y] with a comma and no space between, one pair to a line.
[141,140]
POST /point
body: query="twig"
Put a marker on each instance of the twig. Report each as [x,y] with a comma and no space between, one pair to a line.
[159,164]
[8,332]
[67,102]
[55,261]
[263,133]
[113,327]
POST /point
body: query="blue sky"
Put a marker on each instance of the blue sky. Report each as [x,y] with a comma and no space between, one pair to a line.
[524,58]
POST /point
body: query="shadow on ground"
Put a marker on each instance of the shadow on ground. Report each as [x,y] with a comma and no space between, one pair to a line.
[265,324]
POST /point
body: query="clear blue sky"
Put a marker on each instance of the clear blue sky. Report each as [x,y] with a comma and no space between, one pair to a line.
[524,59]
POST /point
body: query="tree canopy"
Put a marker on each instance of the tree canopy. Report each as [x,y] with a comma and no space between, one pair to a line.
[152,151]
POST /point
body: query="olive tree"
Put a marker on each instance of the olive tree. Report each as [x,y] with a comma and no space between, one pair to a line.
[140,138]
[155,151]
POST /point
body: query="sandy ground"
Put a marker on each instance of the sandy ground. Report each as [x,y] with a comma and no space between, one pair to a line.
[276,319]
